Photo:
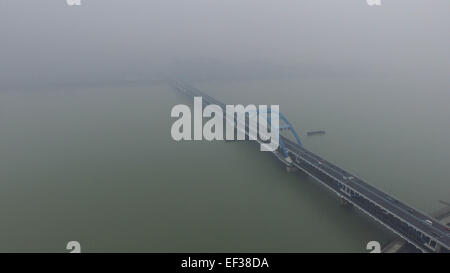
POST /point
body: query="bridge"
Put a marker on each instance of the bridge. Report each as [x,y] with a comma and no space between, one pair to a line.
[420,230]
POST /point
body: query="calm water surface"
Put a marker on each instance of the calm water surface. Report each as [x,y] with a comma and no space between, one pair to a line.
[98,165]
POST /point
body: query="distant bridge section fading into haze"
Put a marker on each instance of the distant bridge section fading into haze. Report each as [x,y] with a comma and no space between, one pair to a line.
[420,230]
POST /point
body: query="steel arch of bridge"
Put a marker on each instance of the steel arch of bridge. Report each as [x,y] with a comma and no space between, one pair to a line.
[288,126]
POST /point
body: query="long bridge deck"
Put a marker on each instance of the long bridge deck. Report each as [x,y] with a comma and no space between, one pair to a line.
[424,232]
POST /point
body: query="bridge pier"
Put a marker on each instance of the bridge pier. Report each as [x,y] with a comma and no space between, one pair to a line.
[291,169]
[344,203]
[438,248]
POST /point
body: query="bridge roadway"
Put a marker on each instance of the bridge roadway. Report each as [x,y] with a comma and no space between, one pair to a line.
[392,213]
[419,229]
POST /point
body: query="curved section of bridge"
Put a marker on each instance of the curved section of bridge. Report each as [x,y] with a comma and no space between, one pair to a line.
[420,230]
[286,127]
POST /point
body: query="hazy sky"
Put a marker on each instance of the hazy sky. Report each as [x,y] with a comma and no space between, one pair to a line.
[48,41]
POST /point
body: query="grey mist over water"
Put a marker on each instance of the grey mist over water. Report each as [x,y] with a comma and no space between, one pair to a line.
[99,166]
[85,147]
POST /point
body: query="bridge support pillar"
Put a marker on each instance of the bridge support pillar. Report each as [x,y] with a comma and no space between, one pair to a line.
[438,248]
[291,169]
[344,202]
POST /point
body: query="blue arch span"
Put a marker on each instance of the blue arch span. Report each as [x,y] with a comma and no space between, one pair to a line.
[290,127]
